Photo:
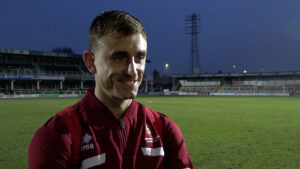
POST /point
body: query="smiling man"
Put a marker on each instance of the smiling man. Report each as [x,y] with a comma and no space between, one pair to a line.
[108,129]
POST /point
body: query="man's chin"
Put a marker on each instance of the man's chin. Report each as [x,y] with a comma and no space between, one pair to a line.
[126,96]
[133,96]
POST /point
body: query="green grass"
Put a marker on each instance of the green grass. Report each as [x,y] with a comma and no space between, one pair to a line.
[220,132]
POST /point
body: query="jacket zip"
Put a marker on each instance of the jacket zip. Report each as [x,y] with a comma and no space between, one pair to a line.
[123,132]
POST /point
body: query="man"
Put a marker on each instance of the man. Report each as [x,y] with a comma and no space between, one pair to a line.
[115,131]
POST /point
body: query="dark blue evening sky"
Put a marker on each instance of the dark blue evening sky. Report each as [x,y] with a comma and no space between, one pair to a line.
[252,34]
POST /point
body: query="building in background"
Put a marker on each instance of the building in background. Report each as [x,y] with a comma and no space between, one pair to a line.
[27,72]
[34,72]
[240,84]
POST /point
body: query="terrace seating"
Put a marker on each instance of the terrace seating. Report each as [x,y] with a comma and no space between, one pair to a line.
[202,89]
[241,89]
[246,89]
[17,69]
[16,66]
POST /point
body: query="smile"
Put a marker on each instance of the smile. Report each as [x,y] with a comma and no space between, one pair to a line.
[131,82]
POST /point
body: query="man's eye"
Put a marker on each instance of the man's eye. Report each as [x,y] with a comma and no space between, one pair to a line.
[119,58]
[139,58]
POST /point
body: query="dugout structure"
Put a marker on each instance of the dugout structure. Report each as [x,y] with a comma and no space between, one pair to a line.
[35,72]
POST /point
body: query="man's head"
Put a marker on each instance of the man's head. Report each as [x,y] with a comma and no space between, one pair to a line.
[117,24]
[116,55]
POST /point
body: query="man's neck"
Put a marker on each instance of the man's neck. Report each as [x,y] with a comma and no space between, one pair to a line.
[115,105]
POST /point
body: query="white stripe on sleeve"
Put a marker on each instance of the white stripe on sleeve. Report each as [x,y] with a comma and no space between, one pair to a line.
[93,161]
[147,151]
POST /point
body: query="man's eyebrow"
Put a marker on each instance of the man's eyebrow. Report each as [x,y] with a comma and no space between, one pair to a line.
[125,53]
[120,53]
[141,53]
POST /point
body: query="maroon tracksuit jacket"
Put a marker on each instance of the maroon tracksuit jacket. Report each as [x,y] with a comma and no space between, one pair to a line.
[131,142]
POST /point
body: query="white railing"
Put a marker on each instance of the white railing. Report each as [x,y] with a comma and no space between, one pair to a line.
[42,73]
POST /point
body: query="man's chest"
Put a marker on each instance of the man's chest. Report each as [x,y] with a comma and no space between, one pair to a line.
[118,147]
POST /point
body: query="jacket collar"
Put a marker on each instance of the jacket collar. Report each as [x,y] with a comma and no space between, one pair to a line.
[94,111]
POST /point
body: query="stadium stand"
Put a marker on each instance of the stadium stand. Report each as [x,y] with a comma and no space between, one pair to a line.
[34,72]
[269,83]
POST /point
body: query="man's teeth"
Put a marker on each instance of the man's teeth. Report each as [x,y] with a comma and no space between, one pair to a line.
[130,82]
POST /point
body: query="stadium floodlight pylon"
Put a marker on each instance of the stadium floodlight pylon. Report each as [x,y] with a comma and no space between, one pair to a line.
[192,27]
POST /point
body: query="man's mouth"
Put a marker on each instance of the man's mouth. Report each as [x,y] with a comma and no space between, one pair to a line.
[128,82]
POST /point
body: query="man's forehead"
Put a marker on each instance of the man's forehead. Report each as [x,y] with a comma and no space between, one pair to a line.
[134,41]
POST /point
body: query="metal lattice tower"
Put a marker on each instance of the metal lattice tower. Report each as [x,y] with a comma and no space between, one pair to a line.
[192,27]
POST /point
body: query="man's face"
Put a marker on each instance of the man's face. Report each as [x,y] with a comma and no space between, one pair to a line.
[120,65]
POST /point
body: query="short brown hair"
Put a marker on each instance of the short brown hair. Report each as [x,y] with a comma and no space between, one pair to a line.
[114,22]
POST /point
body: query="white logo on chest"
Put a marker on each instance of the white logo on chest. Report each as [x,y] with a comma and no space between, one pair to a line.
[85,142]
[149,138]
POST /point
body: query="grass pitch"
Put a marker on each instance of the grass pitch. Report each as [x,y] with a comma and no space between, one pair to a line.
[220,132]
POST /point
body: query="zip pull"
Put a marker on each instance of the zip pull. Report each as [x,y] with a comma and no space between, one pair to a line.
[122,124]
[123,132]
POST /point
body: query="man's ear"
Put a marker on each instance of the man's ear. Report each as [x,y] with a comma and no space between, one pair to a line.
[88,58]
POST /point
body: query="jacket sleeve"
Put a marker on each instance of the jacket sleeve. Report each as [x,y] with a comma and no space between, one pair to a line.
[176,154]
[50,146]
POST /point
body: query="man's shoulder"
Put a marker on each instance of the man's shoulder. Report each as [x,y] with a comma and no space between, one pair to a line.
[166,120]
[50,143]
[57,123]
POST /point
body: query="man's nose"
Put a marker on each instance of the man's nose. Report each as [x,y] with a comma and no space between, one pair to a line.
[132,67]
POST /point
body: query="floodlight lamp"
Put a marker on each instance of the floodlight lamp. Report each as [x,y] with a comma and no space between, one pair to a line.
[167,66]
